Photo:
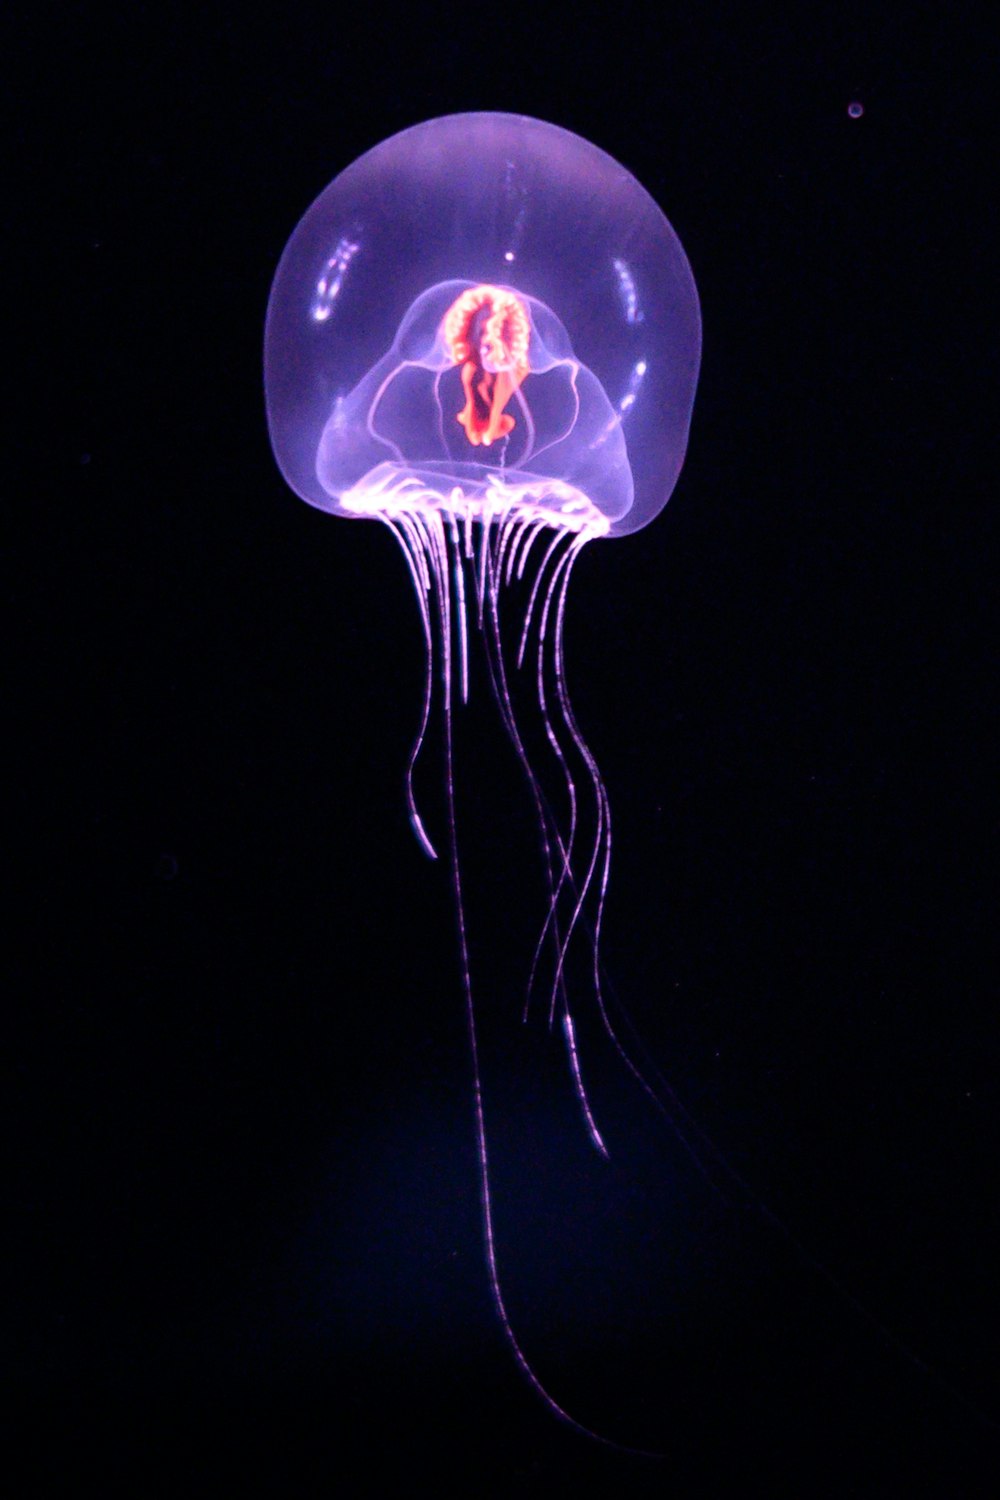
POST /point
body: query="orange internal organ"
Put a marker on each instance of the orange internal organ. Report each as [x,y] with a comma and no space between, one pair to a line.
[486,331]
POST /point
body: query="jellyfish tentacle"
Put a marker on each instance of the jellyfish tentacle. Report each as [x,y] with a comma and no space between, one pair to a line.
[558,985]
[411,549]
[501,692]
[551,836]
[532,533]
[534,594]
[510,537]
[463,638]
[564,843]
[418,548]
[601,792]
[601,849]
[569,1031]
[438,544]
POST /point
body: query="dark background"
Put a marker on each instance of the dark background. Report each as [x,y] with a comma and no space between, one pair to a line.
[242,1199]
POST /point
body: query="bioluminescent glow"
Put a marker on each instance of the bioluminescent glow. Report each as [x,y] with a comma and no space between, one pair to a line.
[485,335]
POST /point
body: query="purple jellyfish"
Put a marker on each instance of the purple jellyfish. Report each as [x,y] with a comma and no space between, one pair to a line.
[485,335]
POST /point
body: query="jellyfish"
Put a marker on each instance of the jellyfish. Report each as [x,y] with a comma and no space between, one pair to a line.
[485,335]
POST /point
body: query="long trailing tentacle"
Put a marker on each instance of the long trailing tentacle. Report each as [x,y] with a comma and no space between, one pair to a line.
[557,846]
[416,562]
[463,626]
[675,1112]
[425,545]
[486,1197]
[553,589]
[563,841]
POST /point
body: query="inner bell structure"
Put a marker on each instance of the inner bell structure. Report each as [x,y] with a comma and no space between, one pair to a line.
[486,331]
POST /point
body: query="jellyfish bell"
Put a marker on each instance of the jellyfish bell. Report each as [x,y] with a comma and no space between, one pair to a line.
[485,335]
[452,218]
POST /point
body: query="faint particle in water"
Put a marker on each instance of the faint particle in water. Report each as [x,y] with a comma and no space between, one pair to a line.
[855,109]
